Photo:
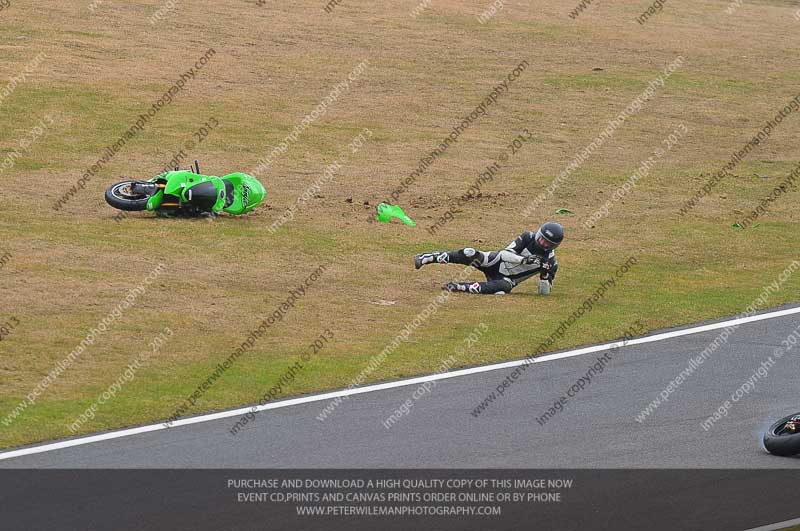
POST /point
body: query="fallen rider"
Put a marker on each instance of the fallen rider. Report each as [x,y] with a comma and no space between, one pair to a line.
[528,255]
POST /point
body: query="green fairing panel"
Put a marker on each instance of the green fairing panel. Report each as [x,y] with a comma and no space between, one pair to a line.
[248,193]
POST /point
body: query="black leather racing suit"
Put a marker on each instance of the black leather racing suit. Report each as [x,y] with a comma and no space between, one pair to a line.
[504,269]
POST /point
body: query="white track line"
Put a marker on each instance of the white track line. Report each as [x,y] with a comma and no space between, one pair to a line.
[390,385]
[778,526]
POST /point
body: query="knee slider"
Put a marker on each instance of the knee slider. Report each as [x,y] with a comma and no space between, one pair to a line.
[469,252]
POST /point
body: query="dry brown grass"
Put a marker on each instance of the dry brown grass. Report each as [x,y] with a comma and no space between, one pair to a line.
[273,65]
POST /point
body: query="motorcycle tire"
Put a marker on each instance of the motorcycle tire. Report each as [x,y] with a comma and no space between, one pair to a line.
[121,197]
[778,442]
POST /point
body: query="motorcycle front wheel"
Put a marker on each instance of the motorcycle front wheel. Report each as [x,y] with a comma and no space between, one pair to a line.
[123,197]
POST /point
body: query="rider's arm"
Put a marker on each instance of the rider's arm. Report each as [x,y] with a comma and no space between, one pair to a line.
[510,257]
[550,268]
[522,241]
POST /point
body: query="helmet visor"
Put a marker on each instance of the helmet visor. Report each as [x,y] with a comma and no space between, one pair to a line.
[544,243]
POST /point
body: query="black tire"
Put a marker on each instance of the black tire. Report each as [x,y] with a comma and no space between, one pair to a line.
[778,443]
[119,196]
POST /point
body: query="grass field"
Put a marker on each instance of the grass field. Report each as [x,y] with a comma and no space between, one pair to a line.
[105,64]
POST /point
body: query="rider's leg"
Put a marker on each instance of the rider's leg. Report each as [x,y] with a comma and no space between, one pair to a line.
[487,263]
[496,282]
[498,286]
[466,256]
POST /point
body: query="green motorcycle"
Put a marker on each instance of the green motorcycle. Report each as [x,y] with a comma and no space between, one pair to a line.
[188,193]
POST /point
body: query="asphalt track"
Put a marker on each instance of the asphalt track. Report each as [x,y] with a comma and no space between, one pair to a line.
[596,429]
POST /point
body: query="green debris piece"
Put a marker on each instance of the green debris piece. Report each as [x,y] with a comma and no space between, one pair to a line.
[564,211]
[386,212]
[740,227]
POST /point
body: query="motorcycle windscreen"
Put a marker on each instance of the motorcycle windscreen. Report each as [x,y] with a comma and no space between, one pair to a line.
[202,195]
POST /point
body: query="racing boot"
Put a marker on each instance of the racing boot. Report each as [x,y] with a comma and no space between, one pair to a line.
[428,258]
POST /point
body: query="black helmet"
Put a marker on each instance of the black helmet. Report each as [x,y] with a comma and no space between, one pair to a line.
[549,235]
